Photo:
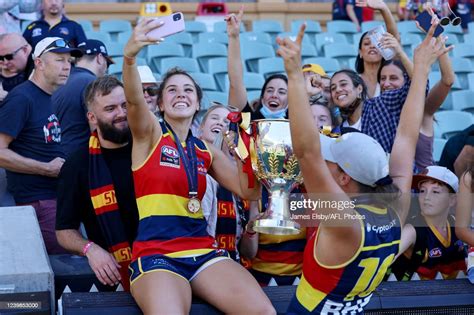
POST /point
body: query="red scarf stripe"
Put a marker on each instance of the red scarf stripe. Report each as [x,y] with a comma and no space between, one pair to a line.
[101,190]
[105,209]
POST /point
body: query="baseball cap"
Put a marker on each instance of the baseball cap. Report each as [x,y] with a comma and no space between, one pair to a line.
[357,154]
[146,76]
[56,45]
[94,47]
[312,67]
[437,173]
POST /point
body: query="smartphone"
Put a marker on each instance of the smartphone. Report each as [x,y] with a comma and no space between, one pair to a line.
[424,19]
[173,24]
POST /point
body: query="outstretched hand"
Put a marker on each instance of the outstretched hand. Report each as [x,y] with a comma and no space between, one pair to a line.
[373,4]
[140,37]
[233,22]
[430,48]
[290,51]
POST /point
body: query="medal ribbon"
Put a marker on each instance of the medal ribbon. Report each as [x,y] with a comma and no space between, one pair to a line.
[189,161]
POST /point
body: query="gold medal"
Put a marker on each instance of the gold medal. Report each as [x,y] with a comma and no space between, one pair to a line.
[194,205]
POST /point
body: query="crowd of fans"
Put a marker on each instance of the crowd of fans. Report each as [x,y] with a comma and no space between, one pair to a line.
[157,191]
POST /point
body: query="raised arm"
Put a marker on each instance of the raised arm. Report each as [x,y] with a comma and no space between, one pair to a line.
[141,121]
[381,6]
[464,208]
[237,91]
[403,151]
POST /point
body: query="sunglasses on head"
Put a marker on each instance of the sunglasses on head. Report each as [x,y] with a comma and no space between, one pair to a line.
[151,90]
[59,43]
[12,55]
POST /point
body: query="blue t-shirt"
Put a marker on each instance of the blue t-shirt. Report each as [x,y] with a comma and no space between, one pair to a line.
[70,108]
[339,10]
[67,29]
[27,116]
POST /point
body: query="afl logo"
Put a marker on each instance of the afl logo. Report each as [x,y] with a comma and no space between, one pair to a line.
[435,252]
[170,152]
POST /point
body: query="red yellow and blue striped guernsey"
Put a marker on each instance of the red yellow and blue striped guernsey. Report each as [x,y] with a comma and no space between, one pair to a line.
[166,226]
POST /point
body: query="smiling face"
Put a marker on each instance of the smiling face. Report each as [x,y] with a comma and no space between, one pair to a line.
[343,91]
[214,123]
[179,97]
[275,96]
[368,52]
[434,198]
[391,78]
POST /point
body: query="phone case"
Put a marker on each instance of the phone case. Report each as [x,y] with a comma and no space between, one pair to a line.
[424,19]
[173,24]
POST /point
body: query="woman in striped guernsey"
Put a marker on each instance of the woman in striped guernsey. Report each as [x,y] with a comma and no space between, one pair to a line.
[347,257]
[173,256]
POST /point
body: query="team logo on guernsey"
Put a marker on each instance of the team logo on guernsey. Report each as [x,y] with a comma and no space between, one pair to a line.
[460,245]
[169,157]
[201,167]
[435,252]
[63,31]
[36,32]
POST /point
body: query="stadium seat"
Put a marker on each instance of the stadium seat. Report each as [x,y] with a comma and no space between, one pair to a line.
[205,51]
[103,37]
[465,50]
[462,66]
[269,66]
[86,25]
[409,40]
[463,100]
[438,146]
[184,63]
[113,27]
[323,39]
[435,76]
[212,96]
[253,95]
[469,38]
[262,38]
[356,39]
[115,49]
[408,27]
[370,25]
[330,65]
[115,70]
[449,122]
[453,31]
[271,27]
[448,103]
[213,37]
[252,82]
[205,80]
[164,50]
[252,51]
[344,27]
[140,61]
[221,26]
[194,28]
[292,36]
[342,52]
[470,80]
[218,68]
[185,40]
[123,37]
[312,28]
[470,27]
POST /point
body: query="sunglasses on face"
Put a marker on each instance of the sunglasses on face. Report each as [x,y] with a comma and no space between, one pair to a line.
[59,43]
[151,90]
[12,55]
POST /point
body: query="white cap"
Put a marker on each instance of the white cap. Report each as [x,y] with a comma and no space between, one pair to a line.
[437,173]
[56,45]
[146,76]
[358,155]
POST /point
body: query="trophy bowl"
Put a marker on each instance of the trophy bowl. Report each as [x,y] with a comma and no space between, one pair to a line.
[277,169]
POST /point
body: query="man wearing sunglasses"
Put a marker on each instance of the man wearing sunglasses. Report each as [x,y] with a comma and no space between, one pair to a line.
[30,135]
[15,59]
[150,88]
[68,100]
[53,23]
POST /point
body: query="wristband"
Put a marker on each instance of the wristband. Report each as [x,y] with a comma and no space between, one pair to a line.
[87,247]
[129,60]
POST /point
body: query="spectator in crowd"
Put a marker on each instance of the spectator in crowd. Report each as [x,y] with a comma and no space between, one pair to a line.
[368,59]
[458,153]
[68,100]
[96,188]
[391,76]
[465,210]
[150,87]
[346,10]
[434,246]
[173,255]
[54,23]
[17,64]
[355,163]
[30,135]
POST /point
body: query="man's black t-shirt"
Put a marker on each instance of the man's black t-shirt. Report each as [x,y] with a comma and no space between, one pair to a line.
[74,202]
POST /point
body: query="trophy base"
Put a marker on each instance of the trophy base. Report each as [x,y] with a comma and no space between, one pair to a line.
[276,227]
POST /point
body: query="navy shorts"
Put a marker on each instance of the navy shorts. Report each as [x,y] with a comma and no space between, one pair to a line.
[185,267]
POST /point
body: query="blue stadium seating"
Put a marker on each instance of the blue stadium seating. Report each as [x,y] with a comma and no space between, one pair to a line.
[330,65]
[113,27]
[86,25]
[205,80]
[185,40]
[450,122]
[213,37]
[164,50]
[463,100]
[269,66]
[205,51]
[184,63]
[438,146]
[262,38]
[342,52]
[252,51]
[323,39]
